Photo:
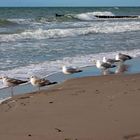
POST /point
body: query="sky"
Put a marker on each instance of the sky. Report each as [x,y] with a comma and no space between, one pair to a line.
[53,3]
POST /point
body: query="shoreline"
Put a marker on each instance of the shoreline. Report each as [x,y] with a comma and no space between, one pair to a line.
[99,107]
[132,67]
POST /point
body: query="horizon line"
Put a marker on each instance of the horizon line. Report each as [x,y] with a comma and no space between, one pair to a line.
[62,6]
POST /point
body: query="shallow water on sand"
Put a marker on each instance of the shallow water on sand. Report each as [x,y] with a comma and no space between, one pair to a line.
[132,67]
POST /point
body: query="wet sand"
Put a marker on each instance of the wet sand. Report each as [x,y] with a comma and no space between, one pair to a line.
[89,108]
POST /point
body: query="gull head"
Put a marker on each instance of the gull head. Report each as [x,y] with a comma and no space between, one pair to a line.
[117,57]
[104,59]
[96,62]
[4,77]
[33,77]
[64,68]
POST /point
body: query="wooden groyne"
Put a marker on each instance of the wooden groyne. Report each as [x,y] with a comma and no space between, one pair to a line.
[116,16]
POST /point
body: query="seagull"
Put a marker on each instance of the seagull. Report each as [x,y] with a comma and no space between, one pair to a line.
[123,57]
[11,82]
[103,65]
[40,82]
[70,70]
[111,61]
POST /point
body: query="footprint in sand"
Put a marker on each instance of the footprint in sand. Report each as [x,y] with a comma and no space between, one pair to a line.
[50,102]
[58,130]
[97,91]
[132,137]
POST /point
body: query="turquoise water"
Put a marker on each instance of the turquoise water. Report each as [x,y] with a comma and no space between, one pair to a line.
[35,42]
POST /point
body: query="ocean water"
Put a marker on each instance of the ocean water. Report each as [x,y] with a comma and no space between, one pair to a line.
[33,41]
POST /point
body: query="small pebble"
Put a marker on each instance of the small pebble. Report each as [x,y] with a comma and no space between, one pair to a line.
[29,135]
[50,102]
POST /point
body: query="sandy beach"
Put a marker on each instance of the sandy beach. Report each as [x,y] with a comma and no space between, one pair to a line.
[89,108]
[99,101]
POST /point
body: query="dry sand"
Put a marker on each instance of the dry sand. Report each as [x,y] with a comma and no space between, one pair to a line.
[90,108]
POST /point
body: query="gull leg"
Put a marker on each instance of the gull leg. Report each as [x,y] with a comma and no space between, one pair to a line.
[12,92]
[102,71]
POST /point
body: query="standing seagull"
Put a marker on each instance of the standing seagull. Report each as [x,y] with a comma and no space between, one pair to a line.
[35,81]
[109,60]
[11,82]
[70,70]
[123,57]
[102,65]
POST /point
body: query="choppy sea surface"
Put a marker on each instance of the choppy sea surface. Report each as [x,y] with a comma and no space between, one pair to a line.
[33,41]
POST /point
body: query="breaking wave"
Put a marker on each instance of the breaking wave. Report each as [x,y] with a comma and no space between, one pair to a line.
[5,22]
[50,67]
[91,15]
[101,27]
[87,16]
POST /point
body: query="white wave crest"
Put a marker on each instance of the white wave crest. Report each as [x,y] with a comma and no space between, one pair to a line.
[101,27]
[91,15]
[49,67]
[21,20]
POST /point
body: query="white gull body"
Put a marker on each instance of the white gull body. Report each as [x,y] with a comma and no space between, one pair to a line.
[40,82]
[103,65]
[109,60]
[70,70]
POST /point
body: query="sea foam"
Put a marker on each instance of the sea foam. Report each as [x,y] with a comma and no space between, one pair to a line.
[91,15]
[101,27]
[50,67]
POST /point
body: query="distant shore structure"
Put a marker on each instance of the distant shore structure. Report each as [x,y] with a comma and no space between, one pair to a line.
[103,16]
[59,15]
